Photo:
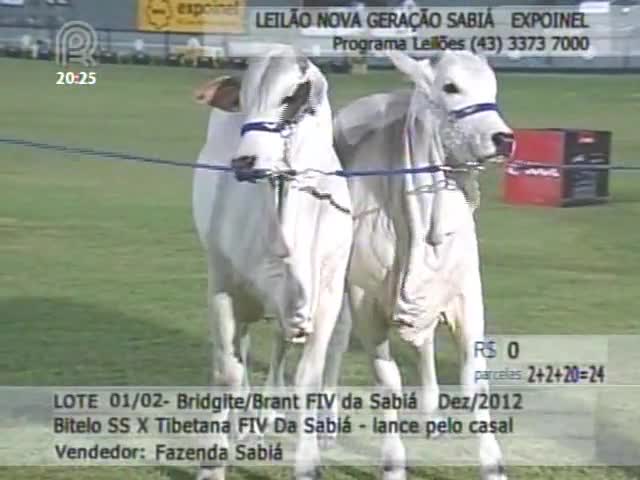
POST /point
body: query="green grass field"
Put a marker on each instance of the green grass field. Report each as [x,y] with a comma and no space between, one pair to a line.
[102,281]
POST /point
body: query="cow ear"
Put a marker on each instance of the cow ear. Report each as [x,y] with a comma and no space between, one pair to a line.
[319,86]
[428,72]
[483,56]
[420,73]
[294,103]
[222,93]
[404,63]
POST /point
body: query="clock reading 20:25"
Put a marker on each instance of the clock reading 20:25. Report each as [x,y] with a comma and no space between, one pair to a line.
[76,78]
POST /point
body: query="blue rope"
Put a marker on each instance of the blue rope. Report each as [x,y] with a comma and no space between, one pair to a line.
[220,168]
[399,171]
[225,168]
[108,154]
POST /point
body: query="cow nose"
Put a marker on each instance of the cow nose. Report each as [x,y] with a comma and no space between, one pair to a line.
[504,143]
[243,167]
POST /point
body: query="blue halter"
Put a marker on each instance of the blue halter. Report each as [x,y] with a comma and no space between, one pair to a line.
[473,109]
[283,128]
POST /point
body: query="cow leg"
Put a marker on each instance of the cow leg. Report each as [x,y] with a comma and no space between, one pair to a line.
[338,345]
[227,369]
[310,370]
[373,331]
[471,323]
[242,343]
[430,390]
[275,377]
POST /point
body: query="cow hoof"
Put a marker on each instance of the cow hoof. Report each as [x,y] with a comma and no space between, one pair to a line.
[393,473]
[312,474]
[493,472]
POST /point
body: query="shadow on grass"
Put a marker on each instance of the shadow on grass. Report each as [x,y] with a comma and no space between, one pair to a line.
[175,473]
[630,472]
[54,341]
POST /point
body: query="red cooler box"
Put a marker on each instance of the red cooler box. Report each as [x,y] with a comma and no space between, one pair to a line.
[549,183]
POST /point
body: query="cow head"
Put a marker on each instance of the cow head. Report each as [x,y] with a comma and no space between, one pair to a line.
[461,87]
[276,93]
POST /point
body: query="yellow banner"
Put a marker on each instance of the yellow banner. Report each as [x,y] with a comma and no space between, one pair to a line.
[197,16]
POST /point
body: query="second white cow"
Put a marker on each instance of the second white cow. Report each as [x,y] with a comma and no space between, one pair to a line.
[415,252]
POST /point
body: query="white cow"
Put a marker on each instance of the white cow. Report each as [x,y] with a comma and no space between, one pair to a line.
[415,255]
[274,249]
[415,258]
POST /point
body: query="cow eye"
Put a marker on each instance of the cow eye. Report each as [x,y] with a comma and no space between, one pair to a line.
[450,88]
